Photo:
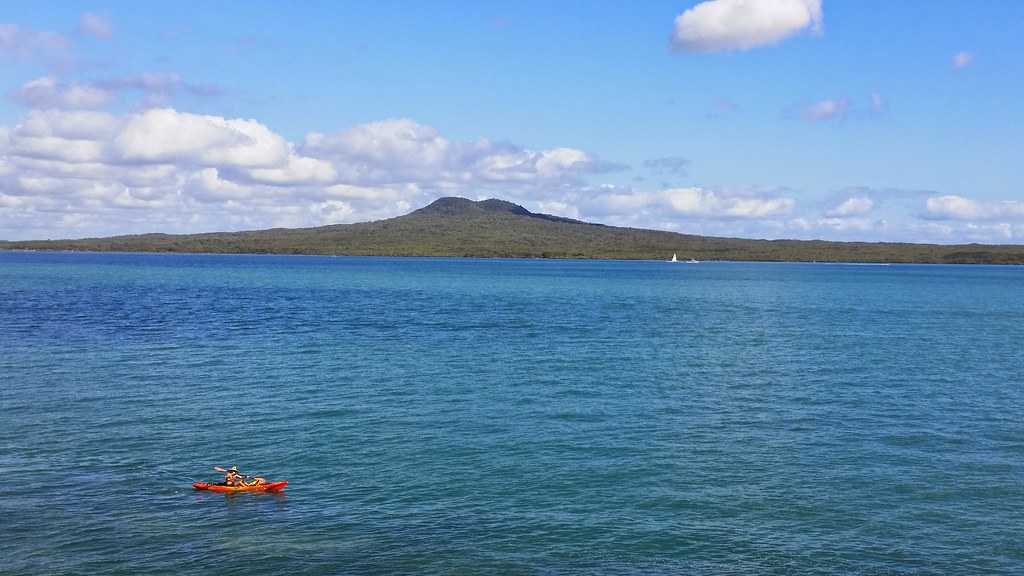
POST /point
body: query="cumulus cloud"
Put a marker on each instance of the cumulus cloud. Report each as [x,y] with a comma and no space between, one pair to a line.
[663,207]
[48,92]
[402,150]
[774,213]
[371,193]
[165,135]
[206,185]
[707,203]
[401,143]
[63,136]
[719,25]
[962,60]
[856,206]
[68,172]
[159,170]
[952,207]
[163,169]
[96,26]
[295,170]
[827,110]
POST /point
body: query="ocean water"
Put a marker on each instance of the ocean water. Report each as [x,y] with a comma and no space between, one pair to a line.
[459,416]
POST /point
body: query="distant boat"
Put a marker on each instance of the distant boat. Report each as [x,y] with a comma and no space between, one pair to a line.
[692,261]
[674,259]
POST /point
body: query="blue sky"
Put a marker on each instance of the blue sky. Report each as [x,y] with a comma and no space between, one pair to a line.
[846,120]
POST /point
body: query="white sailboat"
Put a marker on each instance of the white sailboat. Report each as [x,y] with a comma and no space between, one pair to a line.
[674,259]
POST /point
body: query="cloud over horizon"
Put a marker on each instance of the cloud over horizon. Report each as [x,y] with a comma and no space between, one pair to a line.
[953,207]
[191,171]
[854,206]
[79,172]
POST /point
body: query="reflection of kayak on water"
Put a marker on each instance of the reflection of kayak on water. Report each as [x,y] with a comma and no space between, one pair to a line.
[267,487]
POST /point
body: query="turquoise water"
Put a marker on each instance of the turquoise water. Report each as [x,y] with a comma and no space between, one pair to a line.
[439,416]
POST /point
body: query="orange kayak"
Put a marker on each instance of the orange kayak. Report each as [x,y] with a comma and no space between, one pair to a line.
[268,487]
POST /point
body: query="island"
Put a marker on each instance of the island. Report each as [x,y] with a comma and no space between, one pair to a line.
[495,228]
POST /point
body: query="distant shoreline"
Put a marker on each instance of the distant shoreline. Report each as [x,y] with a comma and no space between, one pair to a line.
[461,228]
[682,264]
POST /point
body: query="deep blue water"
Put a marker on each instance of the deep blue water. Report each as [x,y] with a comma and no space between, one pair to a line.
[438,416]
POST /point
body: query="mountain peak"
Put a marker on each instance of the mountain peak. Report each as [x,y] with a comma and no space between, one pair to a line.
[455,206]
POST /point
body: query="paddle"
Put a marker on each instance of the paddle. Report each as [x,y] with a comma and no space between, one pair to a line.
[223,471]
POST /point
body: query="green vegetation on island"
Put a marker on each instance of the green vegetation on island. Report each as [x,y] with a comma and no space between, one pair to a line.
[496,228]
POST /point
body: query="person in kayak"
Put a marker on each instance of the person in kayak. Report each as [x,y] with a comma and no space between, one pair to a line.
[232,477]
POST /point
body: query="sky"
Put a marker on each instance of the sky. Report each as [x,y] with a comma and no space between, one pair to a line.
[863,120]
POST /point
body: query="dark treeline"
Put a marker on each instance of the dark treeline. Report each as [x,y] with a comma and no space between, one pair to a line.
[495,228]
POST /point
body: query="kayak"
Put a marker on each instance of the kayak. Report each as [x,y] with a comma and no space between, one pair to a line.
[268,487]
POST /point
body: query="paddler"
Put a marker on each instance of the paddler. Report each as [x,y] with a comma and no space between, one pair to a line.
[232,477]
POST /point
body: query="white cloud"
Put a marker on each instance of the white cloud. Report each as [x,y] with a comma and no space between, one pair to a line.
[66,136]
[661,208]
[717,25]
[604,201]
[75,172]
[68,124]
[856,206]
[1005,231]
[166,170]
[987,232]
[159,136]
[962,60]
[497,165]
[166,135]
[952,207]
[295,170]
[827,109]
[400,151]
[333,211]
[848,224]
[48,92]
[707,203]
[558,208]
[400,143]
[96,26]
[206,185]
[369,193]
